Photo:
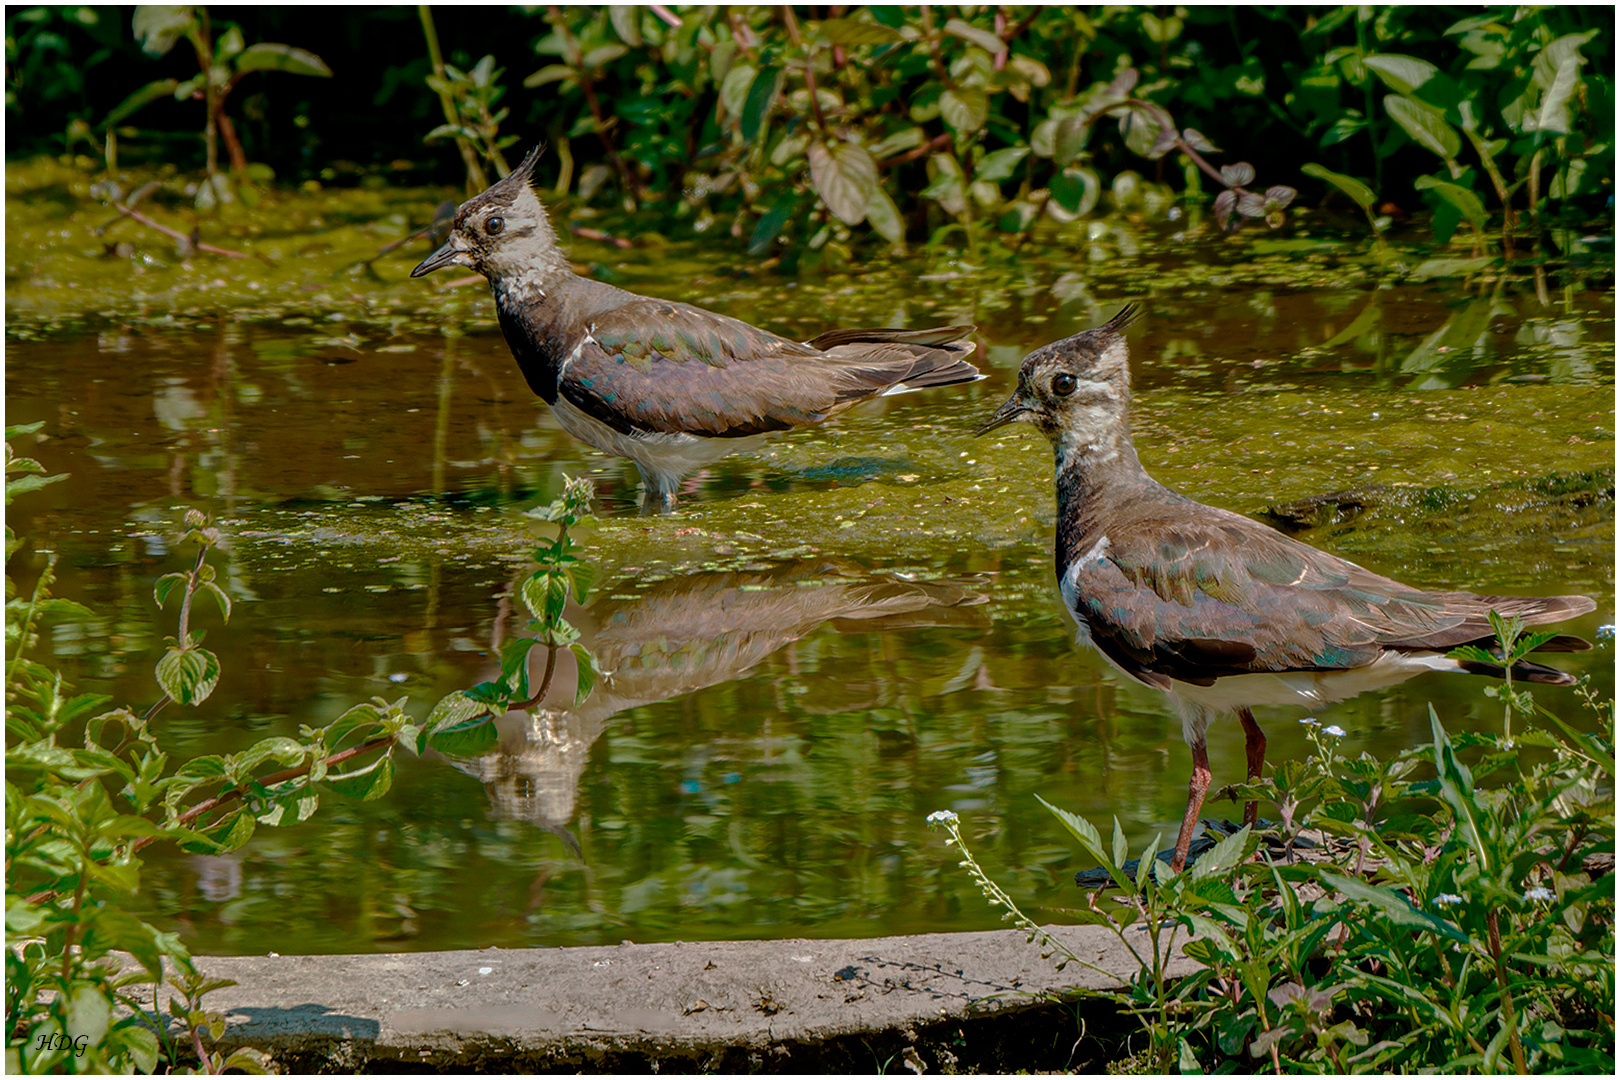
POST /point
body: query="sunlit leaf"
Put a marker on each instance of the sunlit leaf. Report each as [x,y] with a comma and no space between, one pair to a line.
[884,217]
[845,176]
[964,109]
[159,26]
[999,164]
[626,19]
[1402,74]
[984,39]
[188,675]
[1360,193]
[273,56]
[849,32]
[1426,127]
[147,94]
[367,783]
[1553,116]
[1464,199]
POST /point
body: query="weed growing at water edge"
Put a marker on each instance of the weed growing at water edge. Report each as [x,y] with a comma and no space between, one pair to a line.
[1449,927]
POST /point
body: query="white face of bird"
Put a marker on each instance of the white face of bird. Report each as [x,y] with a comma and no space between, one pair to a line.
[1076,391]
[503,233]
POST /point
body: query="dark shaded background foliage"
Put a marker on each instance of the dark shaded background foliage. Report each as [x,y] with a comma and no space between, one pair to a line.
[376,109]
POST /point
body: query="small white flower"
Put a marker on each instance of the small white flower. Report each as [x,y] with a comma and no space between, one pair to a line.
[1447,898]
[1605,631]
[1334,730]
[1505,744]
[942,817]
[1540,893]
[1308,720]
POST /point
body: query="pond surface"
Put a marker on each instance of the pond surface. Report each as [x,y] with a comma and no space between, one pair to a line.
[831,639]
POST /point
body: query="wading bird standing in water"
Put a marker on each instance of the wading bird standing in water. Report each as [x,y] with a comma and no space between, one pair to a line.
[1219,611]
[670,386]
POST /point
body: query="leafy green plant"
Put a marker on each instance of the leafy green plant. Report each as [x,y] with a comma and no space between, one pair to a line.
[1513,105]
[88,788]
[463,722]
[1455,927]
[816,128]
[223,61]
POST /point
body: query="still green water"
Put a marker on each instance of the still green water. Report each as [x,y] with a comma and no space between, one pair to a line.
[831,639]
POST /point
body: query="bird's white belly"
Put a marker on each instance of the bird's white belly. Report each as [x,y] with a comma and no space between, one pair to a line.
[1306,689]
[663,457]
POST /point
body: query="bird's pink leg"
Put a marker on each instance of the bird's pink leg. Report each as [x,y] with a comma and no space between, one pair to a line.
[1254,740]
[1195,802]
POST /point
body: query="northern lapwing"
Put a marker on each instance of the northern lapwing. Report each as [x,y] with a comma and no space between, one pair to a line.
[1219,611]
[670,386]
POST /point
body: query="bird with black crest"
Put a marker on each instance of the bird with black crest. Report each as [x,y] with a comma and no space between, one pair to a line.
[1219,611]
[670,386]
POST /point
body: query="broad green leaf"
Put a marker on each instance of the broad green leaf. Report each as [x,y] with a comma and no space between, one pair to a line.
[366,783]
[884,217]
[460,726]
[549,74]
[1462,198]
[23,484]
[166,584]
[1553,116]
[999,164]
[587,672]
[159,26]
[188,675]
[1360,193]
[964,109]
[845,176]
[545,594]
[1391,905]
[1436,269]
[228,44]
[905,139]
[1426,127]
[984,39]
[272,56]
[770,225]
[626,19]
[515,665]
[1402,74]
[147,94]
[1457,789]
[1551,59]
[1069,192]
[602,55]
[758,103]
[849,32]
[357,718]
[734,90]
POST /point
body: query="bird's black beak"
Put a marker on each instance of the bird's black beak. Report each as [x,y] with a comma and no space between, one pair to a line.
[1011,410]
[445,256]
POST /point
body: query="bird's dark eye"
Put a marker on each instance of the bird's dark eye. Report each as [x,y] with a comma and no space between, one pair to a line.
[494,226]
[1063,384]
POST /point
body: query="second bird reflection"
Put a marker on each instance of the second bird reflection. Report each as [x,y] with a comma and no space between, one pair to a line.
[682,635]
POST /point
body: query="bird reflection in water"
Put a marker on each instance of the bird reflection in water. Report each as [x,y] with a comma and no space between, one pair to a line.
[679,636]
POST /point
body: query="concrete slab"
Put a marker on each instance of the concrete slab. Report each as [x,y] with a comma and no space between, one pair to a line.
[724,1004]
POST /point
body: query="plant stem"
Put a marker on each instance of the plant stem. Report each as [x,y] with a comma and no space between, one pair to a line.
[46,576]
[476,180]
[588,88]
[1508,1016]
